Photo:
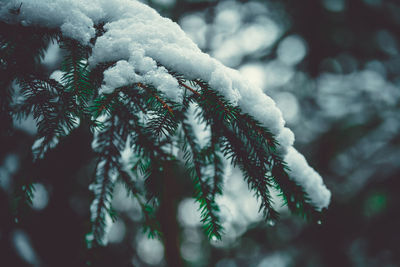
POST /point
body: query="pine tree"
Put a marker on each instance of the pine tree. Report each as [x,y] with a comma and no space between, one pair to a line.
[143,117]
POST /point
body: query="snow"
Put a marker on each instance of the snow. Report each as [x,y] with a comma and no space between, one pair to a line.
[40,148]
[137,37]
[119,75]
[310,180]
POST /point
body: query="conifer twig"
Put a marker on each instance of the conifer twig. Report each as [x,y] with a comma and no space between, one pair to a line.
[165,105]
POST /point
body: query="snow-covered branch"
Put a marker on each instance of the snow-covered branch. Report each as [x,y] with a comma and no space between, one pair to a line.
[147,48]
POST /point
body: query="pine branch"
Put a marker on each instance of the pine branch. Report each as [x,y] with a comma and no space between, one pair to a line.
[121,124]
[213,155]
[293,194]
[259,146]
[20,51]
[158,98]
[253,169]
[151,224]
[203,193]
[141,114]
[106,171]
[238,144]
[75,68]
[147,142]
[104,104]
[101,217]
[51,108]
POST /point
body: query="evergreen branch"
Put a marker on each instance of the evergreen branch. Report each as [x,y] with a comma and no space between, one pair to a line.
[254,171]
[128,182]
[260,149]
[235,112]
[238,144]
[76,77]
[21,49]
[162,123]
[146,143]
[104,104]
[208,97]
[51,108]
[217,162]
[151,224]
[146,146]
[293,194]
[240,117]
[106,171]
[164,104]
[59,107]
[101,217]
[121,123]
[162,115]
[181,83]
[135,99]
[202,191]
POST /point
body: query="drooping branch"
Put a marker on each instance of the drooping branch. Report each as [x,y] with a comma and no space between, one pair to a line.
[142,108]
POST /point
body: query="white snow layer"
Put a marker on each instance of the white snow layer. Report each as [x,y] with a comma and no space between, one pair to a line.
[137,37]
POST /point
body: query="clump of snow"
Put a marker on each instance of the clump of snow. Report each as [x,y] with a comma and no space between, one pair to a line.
[285,140]
[119,75]
[308,178]
[40,147]
[137,37]
[74,18]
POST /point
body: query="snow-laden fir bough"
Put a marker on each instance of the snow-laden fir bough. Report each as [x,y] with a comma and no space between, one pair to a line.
[135,78]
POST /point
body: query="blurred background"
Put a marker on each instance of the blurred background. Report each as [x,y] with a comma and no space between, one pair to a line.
[332,66]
